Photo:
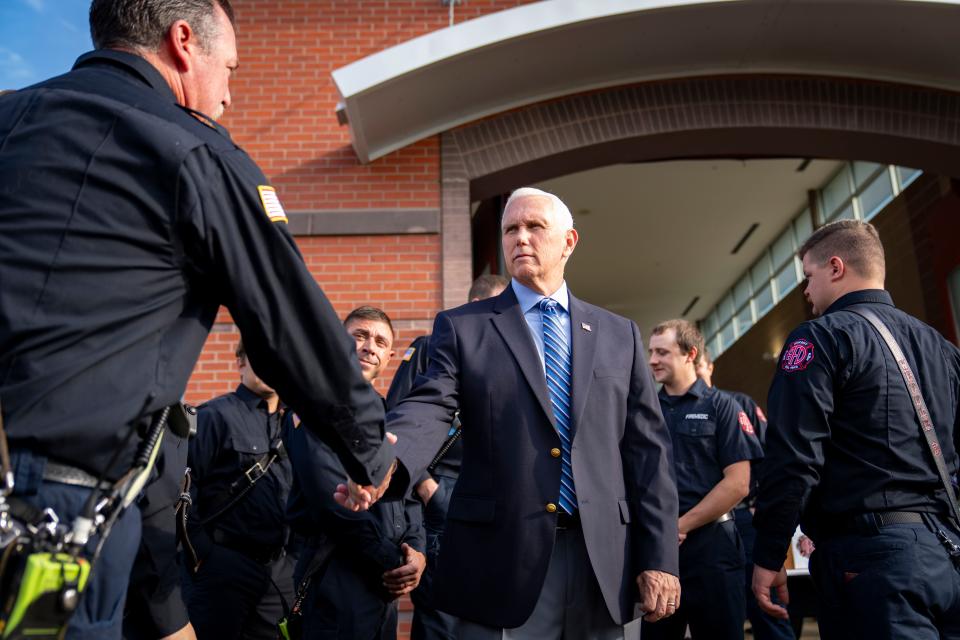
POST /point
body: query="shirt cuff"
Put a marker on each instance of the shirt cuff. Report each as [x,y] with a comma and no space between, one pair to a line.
[770,552]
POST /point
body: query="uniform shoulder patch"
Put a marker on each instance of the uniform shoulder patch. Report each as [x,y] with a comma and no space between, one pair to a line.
[745,425]
[797,355]
[271,203]
[409,353]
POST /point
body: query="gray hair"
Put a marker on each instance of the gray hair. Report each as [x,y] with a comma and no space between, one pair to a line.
[560,210]
[143,24]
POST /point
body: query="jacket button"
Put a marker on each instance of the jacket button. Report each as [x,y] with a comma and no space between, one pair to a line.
[551,508]
[555,452]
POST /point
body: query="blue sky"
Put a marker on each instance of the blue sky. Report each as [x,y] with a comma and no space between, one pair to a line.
[40,39]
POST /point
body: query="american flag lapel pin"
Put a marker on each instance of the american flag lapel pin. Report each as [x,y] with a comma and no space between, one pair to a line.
[585,326]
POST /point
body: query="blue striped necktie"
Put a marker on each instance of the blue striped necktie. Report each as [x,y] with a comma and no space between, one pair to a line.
[556,357]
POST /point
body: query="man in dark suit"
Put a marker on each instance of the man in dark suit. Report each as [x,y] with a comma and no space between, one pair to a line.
[565,513]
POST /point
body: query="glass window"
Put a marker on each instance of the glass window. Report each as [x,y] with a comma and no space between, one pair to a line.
[863,171]
[744,319]
[763,299]
[742,292]
[725,309]
[760,271]
[836,193]
[710,325]
[846,213]
[786,279]
[803,226]
[906,175]
[877,194]
[782,250]
[726,336]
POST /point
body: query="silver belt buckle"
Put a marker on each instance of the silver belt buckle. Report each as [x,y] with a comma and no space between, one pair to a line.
[725,517]
[65,474]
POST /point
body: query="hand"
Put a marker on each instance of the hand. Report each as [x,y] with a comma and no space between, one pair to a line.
[806,546]
[763,581]
[360,498]
[659,594]
[682,537]
[406,577]
[426,489]
[184,633]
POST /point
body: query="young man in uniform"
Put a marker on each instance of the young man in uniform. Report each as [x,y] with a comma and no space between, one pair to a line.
[358,564]
[854,462]
[236,554]
[435,488]
[762,624]
[713,444]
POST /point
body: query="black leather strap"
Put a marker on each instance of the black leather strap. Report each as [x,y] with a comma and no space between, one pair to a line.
[919,405]
[243,484]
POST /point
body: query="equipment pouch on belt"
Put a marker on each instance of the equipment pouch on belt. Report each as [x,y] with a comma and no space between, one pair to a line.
[45,564]
[41,591]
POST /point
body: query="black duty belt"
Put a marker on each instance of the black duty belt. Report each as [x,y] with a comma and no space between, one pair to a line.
[870,523]
[566,521]
[261,554]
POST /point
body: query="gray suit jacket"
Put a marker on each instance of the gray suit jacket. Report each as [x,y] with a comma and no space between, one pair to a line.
[499,534]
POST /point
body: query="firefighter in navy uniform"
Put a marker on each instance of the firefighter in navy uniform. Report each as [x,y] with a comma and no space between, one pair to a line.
[762,624]
[237,549]
[128,217]
[846,455]
[713,445]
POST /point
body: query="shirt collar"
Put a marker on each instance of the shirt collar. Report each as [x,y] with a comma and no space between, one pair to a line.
[878,296]
[248,397]
[528,298]
[698,390]
[130,62]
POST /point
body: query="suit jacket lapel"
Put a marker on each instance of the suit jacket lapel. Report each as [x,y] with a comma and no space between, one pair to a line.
[584,349]
[509,321]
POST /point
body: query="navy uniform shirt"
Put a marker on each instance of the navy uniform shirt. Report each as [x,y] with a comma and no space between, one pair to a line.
[414,363]
[125,222]
[710,432]
[233,432]
[369,539]
[844,437]
[759,422]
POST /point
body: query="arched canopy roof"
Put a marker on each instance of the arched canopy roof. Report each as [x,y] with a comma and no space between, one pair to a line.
[547,49]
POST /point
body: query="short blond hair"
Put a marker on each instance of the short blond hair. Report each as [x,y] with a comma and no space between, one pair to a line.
[856,243]
[687,334]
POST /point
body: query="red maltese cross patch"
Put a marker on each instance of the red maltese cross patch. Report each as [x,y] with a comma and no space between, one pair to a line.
[745,425]
[797,355]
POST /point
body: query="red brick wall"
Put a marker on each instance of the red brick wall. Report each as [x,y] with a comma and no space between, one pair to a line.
[284,98]
[283,114]
[396,273]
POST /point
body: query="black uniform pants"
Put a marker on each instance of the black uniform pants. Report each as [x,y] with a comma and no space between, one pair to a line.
[896,582]
[99,615]
[233,596]
[764,626]
[345,602]
[712,599]
[428,622]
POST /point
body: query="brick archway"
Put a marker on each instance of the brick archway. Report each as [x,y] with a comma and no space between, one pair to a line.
[748,116]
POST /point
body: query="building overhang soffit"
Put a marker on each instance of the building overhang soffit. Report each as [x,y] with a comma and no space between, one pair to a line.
[540,51]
